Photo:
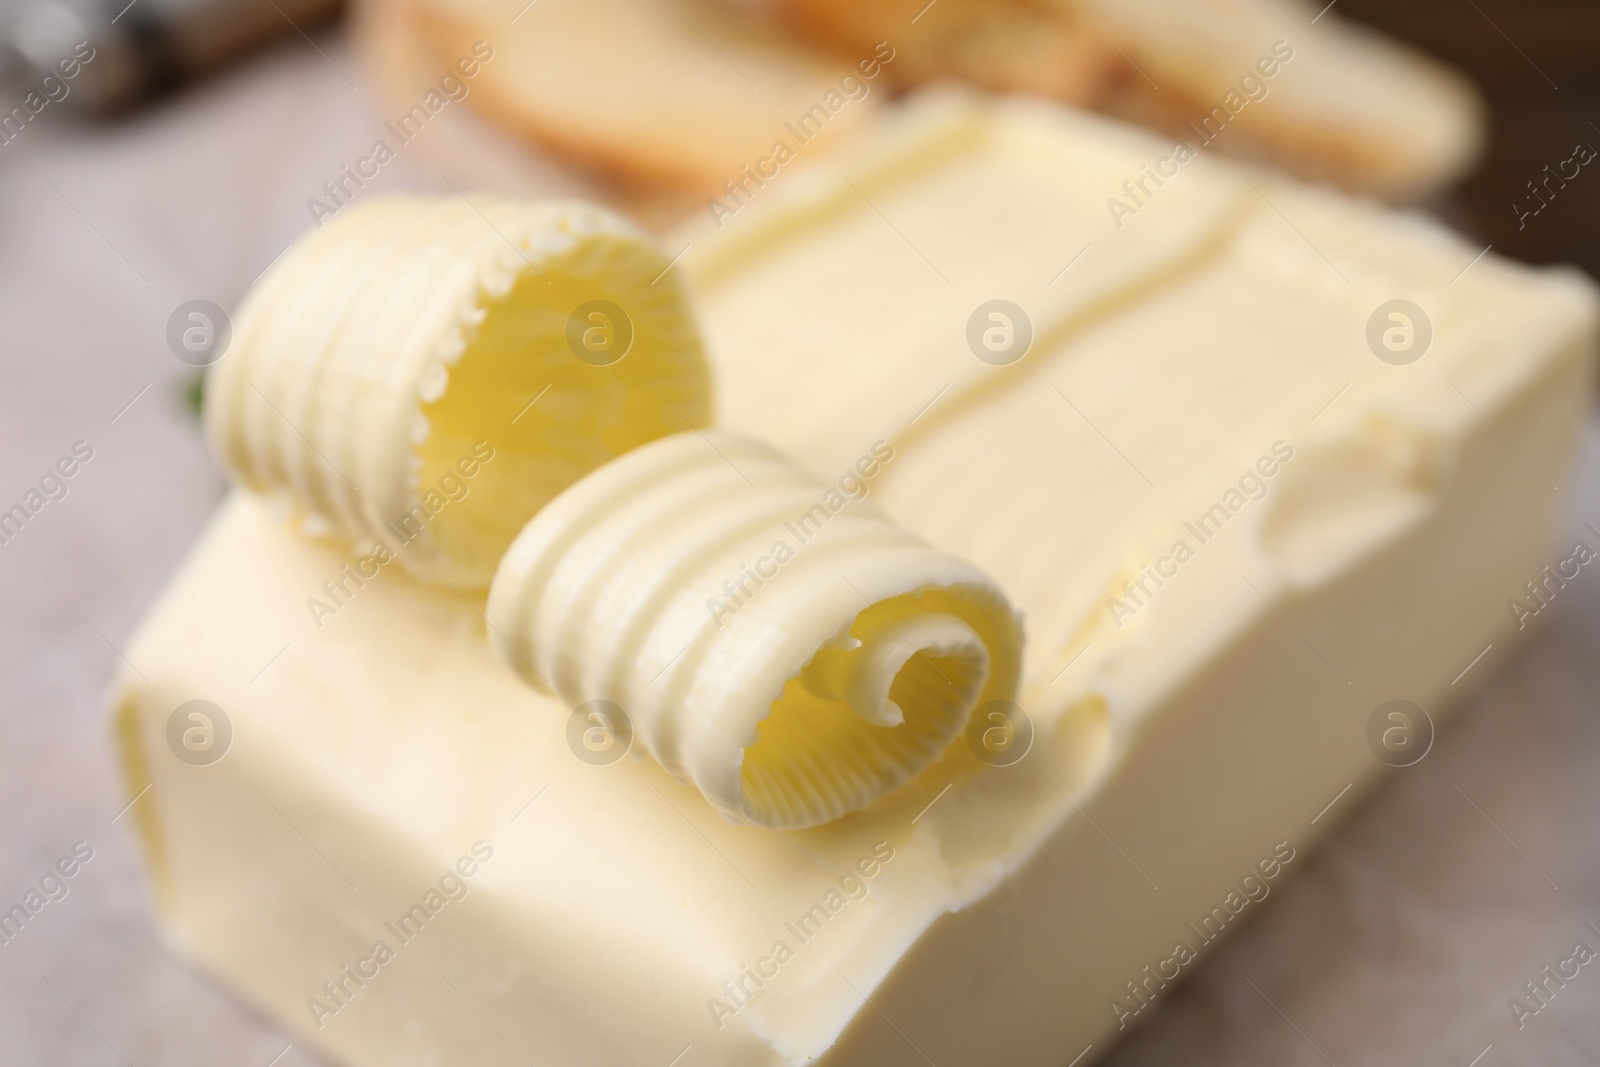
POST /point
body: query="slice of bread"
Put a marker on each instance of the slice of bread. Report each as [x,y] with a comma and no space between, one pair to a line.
[690,95]
[674,93]
[1351,107]
[1027,46]
[471,151]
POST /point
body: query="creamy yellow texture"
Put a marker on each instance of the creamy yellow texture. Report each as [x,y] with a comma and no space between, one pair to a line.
[774,641]
[553,417]
[409,374]
[1170,354]
[991,914]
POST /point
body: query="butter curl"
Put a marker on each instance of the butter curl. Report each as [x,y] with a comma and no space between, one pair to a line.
[776,642]
[428,372]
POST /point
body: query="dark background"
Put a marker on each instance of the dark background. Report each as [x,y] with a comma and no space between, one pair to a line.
[1535,118]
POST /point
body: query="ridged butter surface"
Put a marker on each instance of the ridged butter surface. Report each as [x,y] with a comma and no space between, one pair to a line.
[409,373]
[772,639]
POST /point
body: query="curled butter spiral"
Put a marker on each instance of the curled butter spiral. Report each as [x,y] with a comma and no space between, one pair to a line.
[433,370]
[777,642]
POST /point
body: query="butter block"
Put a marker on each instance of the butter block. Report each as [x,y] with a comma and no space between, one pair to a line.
[1199,373]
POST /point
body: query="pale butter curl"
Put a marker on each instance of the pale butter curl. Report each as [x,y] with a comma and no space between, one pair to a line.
[784,647]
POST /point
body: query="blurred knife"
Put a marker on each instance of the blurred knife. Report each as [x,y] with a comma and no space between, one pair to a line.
[139,47]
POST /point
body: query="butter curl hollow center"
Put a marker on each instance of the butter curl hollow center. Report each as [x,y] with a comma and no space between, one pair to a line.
[862,670]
